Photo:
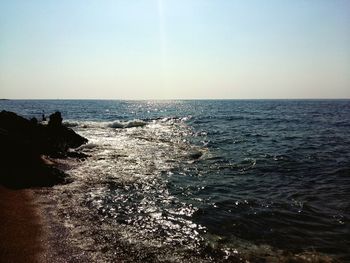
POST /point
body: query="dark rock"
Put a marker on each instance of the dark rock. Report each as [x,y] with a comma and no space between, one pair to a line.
[55,119]
[53,139]
[60,139]
[34,120]
[78,155]
[22,166]
[23,142]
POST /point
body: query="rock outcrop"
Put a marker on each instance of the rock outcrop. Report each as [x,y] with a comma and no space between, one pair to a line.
[24,142]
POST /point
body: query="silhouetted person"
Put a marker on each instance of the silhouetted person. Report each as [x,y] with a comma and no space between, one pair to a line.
[43,118]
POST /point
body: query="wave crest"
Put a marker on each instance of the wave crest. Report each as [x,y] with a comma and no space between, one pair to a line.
[127,124]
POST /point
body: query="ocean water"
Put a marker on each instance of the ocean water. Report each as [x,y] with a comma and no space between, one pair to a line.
[205,181]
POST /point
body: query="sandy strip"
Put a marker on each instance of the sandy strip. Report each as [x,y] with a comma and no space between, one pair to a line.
[21,230]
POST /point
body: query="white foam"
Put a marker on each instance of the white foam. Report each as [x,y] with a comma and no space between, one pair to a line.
[127,124]
[124,178]
[88,146]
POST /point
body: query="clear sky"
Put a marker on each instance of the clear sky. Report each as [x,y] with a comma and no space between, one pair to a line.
[174,49]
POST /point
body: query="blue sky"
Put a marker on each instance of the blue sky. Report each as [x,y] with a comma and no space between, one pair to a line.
[173,49]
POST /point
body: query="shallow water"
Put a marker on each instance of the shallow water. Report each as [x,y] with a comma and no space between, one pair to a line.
[206,180]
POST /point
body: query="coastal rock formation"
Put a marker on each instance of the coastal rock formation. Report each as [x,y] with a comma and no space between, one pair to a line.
[55,119]
[60,138]
[24,142]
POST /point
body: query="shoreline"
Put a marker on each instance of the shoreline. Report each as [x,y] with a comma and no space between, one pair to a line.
[29,230]
[22,235]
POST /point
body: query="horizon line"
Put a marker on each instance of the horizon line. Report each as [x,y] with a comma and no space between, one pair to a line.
[174,99]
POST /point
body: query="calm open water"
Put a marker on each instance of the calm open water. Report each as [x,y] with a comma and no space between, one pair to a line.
[205,181]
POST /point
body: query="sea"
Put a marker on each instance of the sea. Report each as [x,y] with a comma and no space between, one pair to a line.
[204,180]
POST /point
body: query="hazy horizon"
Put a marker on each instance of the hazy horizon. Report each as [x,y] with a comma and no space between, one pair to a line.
[167,49]
[174,99]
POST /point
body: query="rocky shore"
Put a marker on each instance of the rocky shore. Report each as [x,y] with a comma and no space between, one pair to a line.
[27,150]
[25,146]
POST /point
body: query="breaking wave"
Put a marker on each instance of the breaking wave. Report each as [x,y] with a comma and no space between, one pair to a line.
[128,124]
[125,184]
